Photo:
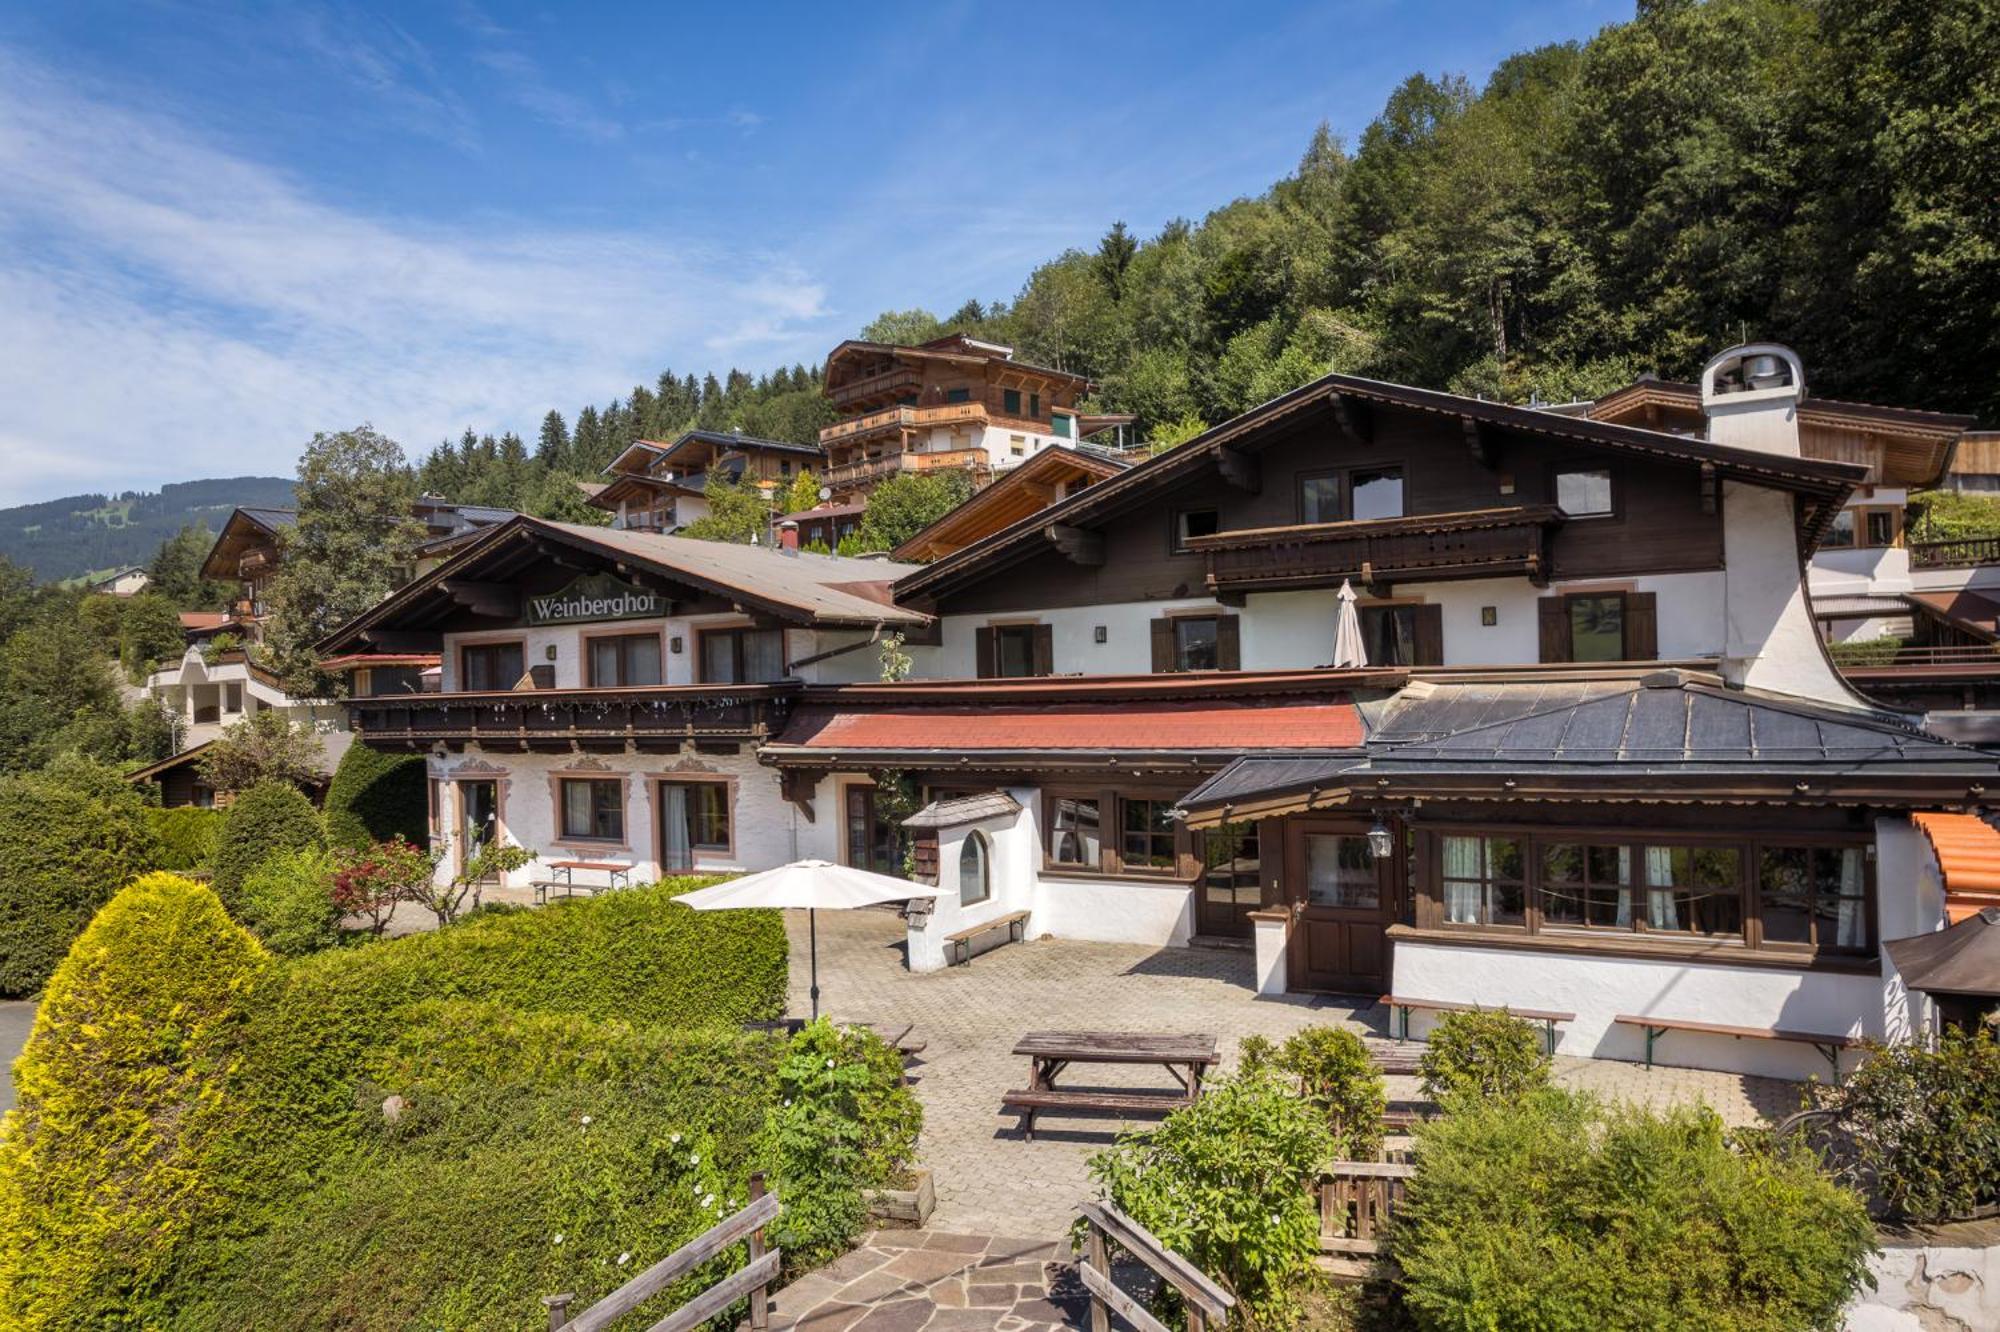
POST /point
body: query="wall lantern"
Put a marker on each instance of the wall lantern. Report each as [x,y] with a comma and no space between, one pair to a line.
[550,651]
[1489,616]
[1102,634]
[1380,840]
[674,645]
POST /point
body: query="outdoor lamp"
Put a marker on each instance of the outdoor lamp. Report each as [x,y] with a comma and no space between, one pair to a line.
[1380,840]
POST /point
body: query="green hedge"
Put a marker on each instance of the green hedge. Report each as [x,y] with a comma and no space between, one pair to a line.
[63,853]
[375,797]
[112,1161]
[188,837]
[287,902]
[268,818]
[1553,1211]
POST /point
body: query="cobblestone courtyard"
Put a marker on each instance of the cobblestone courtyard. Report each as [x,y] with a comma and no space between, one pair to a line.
[992,1182]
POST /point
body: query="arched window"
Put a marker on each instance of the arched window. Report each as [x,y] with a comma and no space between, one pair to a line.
[975,870]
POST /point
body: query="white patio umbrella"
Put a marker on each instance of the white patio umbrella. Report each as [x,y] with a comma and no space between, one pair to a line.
[1348,649]
[815,885]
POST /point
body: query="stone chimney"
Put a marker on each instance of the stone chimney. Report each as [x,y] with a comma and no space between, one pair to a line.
[788,535]
[1751,395]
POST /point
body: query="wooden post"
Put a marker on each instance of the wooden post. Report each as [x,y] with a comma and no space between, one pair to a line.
[1100,1317]
[558,1307]
[760,1306]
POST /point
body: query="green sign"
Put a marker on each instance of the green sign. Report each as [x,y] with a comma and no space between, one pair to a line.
[596,597]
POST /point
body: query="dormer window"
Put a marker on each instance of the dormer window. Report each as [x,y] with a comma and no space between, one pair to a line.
[1584,492]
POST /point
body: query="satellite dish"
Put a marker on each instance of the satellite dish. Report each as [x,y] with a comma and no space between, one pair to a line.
[826,492]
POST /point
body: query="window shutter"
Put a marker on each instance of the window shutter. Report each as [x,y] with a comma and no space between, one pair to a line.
[1429,635]
[1228,643]
[1163,646]
[1045,650]
[1642,626]
[1555,629]
[982,651]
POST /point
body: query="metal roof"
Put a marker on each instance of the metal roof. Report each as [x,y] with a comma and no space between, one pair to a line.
[1270,774]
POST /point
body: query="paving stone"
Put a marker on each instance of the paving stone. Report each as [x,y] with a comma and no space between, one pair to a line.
[928,1266]
[958,1243]
[897,1316]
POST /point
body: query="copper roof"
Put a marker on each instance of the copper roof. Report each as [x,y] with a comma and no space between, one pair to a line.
[1221,725]
[1968,856]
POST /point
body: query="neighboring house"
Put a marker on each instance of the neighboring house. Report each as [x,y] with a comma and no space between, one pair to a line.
[1598,761]
[122,583]
[1050,476]
[663,487]
[824,526]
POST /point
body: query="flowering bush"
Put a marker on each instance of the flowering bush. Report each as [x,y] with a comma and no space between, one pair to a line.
[370,883]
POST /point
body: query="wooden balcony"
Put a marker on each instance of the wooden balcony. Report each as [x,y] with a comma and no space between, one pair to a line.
[891,420]
[1429,547]
[894,382]
[874,469]
[1959,554]
[657,718]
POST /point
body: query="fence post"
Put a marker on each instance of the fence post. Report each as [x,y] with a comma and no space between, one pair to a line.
[558,1307]
[760,1307]
[1100,1317]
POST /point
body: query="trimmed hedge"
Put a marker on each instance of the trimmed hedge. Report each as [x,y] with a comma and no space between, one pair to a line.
[375,797]
[287,902]
[111,1162]
[268,818]
[63,853]
[188,836]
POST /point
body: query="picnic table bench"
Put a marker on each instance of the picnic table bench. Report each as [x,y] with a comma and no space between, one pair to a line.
[1401,1006]
[612,870]
[1655,1027]
[1185,1057]
[958,944]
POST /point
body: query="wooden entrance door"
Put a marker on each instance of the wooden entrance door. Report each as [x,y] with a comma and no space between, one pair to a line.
[1342,899]
[1231,882]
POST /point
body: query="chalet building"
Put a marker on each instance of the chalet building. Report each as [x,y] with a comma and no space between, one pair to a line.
[1052,475]
[955,403]
[127,582]
[663,487]
[1596,759]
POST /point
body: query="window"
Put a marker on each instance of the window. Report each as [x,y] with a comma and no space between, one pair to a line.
[1010,401]
[384,680]
[625,659]
[1061,424]
[1597,628]
[975,870]
[1484,880]
[1600,626]
[1194,523]
[1587,886]
[1356,495]
[1319,499]
[1694,889]
[742,656]
[1814,895]
[784,467]
[1840,535]
[1017,445]
[873,842]
[958,395]
[433,806]
[1881,527]
[593,810]
[1035,405]
[489,666]
[1014,651]
[1340,873]
[1195,643]
[1403,635]
[1146,834]
[694,816]
[1231,867]
[1075,837]
[232,697]
[1584,492]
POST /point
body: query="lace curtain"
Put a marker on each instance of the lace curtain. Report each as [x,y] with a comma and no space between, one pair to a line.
[1461,864]
[1662,909]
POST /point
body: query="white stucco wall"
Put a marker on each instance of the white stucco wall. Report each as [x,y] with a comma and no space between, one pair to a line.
[680,668]
[1016,855]
[1772,640]
[1132,911]
[1884,570]
[1909,900]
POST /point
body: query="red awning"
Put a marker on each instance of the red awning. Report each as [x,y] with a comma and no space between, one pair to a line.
[1226,725]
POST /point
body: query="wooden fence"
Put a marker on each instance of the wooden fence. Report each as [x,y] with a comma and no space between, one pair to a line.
[1207,1304]
[753,1279]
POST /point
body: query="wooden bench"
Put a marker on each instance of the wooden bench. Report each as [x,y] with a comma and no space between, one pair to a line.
[1656,1027]
[1548,1017]
[1030,1103]
[1356,1201]
[958,947]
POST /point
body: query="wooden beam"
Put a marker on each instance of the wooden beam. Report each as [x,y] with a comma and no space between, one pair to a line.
[1478,441]
[1078,545]
[1356,422]
[1711,489]
[402,640]
[1240,469]
[798,786]
[499,601]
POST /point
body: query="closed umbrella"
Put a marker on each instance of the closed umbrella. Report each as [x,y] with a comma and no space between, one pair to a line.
[1348,649]
[814,885]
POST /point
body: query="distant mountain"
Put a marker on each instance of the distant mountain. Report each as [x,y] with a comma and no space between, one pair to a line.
[84,534]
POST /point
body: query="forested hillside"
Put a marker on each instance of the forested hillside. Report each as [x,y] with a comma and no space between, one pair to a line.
[1817,173]
[78,534]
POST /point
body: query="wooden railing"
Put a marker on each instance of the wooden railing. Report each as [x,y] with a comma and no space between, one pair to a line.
[753,1280]
[524,718]
[897,379]
[849,473]
[950,413]
[1972,655]
[1356,1200]
[1954,554]
[1483,543]
[1208,1305]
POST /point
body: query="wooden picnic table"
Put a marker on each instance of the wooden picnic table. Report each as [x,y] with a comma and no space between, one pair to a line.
[612,870]
[1185,1058]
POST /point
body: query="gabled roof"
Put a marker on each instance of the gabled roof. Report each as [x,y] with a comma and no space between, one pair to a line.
[243,529]
[797,587]
[1826,484]
[1013,494]
[956,347]
[726,441]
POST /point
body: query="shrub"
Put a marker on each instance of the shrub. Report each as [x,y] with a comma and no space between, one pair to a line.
[188,836]
[110,1162]
[268,818]
[1483,1052]
[372,881]
[377,796]
[1224,1183]
[843,1121]
[1551,1211]
[288,903]
[63,853]
[261,747]
[1334,1072]
[1953,515]
[1924,1120]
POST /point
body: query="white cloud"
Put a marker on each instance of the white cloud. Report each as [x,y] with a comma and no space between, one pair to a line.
[171,310]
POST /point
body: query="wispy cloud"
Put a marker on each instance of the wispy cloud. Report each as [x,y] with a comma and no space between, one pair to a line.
[523,82]
[384,60]
[173,310]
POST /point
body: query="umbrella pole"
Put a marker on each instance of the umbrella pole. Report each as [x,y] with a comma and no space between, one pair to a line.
[812,933]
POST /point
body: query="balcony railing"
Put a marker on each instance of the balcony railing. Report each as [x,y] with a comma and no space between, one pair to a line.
[647,717]
[1431,547]
[1955,554]
[898,379]
[896,418]
[1868,659]
[870,469]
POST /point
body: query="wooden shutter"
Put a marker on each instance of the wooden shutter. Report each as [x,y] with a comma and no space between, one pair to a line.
[982,651]
[1429,645]
[1045,650]
[1228,643]
[1163,646]
[1642,626]
[1555,629]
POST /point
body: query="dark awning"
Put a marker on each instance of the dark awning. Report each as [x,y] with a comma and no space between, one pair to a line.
[1964,959]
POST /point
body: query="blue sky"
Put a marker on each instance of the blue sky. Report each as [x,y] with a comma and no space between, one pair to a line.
[223,228]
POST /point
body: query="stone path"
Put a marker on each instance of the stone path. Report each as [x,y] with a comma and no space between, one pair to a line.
[989,1180]
[903,1280]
